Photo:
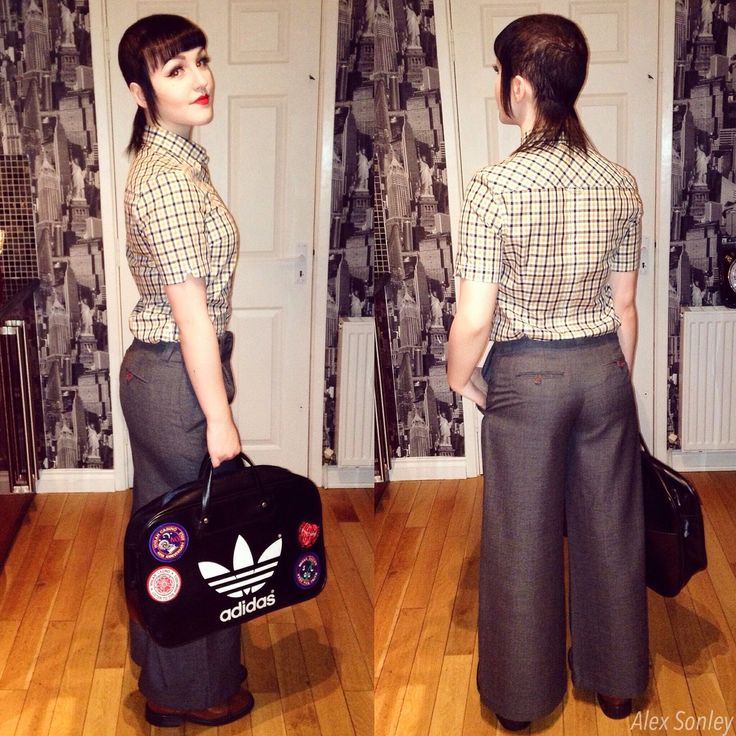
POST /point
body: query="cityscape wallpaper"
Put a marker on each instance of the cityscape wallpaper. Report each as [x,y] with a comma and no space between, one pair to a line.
[48,142]
[390,249]
[703,202]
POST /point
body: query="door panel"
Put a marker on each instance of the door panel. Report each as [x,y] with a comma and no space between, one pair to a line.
[262,145]
[617,107]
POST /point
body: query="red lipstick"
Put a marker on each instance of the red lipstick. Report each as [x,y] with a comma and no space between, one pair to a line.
[203,100]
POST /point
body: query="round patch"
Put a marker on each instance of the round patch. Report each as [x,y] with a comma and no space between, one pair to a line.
[163,584]
[168,542]
[307,534]
[307,571]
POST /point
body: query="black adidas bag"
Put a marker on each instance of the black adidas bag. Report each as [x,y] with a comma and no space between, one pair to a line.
[675,538]
[222,550]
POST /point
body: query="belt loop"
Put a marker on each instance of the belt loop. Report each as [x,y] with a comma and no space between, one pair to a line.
[168,350]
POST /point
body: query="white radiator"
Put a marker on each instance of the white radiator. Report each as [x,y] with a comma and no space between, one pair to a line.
[708,379]
[354,392]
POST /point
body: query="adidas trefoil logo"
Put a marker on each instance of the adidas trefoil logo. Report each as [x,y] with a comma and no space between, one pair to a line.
[246,576]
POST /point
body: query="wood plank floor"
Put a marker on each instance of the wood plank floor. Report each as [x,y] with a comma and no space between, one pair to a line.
[64,665]
[389,647]
[425,653]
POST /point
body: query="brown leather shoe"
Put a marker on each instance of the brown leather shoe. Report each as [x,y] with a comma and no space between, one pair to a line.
[236,706]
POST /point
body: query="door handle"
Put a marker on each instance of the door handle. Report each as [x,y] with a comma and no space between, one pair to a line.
[300,269]
[300,264]
[644,256]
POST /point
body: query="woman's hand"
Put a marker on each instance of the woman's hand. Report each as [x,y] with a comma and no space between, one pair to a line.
[223,440]
[476,389]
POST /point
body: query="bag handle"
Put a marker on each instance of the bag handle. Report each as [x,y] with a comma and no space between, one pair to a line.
[206,473]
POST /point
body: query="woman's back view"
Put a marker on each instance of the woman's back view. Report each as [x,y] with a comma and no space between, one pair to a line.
[547,260]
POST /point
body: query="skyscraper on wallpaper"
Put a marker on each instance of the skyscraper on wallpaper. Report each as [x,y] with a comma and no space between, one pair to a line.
[390,251]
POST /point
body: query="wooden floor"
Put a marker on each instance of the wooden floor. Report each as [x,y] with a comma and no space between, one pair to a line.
[64,667]
[389,647]
[426,570]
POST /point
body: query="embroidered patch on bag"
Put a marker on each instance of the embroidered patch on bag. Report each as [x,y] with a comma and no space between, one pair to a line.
[168,542]
[163,584]
[307,571]
[307,534]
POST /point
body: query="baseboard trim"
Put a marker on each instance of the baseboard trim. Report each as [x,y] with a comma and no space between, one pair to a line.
[428,468]
[79,480]
[343,476]
[702,460]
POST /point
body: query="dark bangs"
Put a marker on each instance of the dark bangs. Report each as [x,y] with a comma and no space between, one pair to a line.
[173,43]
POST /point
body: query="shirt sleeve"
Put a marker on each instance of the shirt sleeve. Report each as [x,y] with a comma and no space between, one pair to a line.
[171,217]
[480,246]
[629,252]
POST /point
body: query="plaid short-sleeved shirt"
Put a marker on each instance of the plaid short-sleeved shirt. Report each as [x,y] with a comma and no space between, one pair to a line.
[548,226]
[176,225]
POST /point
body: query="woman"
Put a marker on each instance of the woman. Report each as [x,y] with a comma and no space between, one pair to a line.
[175,380]
[547,260]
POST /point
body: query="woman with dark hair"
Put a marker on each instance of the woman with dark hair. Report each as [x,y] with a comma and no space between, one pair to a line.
[547,261]
[175,380]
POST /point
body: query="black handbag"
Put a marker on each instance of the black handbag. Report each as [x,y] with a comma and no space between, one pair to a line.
[222,550]
[675,538]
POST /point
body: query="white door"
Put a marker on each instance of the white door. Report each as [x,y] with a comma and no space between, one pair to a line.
[262,145]
[618,107]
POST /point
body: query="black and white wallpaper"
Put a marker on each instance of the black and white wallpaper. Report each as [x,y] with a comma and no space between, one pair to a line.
[703,206]
[47,122]
[390,250]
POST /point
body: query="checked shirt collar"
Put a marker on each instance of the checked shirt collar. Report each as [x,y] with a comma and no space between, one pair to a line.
[188,152]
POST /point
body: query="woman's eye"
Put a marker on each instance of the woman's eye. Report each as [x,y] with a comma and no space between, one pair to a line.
[174,72]
[204,61]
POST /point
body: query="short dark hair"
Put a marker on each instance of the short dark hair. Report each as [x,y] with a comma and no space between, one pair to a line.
[551,53]
[147,45]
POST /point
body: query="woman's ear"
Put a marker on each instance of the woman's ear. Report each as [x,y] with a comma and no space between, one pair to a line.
[137,91]
[520,88]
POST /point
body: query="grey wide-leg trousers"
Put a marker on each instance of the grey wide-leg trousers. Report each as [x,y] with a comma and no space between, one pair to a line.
[167,436]
[560,437]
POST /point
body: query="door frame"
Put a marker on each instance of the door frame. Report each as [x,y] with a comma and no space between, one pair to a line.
[665,98]
[448,85]
[321,239]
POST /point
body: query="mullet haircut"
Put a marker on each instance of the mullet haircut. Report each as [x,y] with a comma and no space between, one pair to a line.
[551,53]
[146,46]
